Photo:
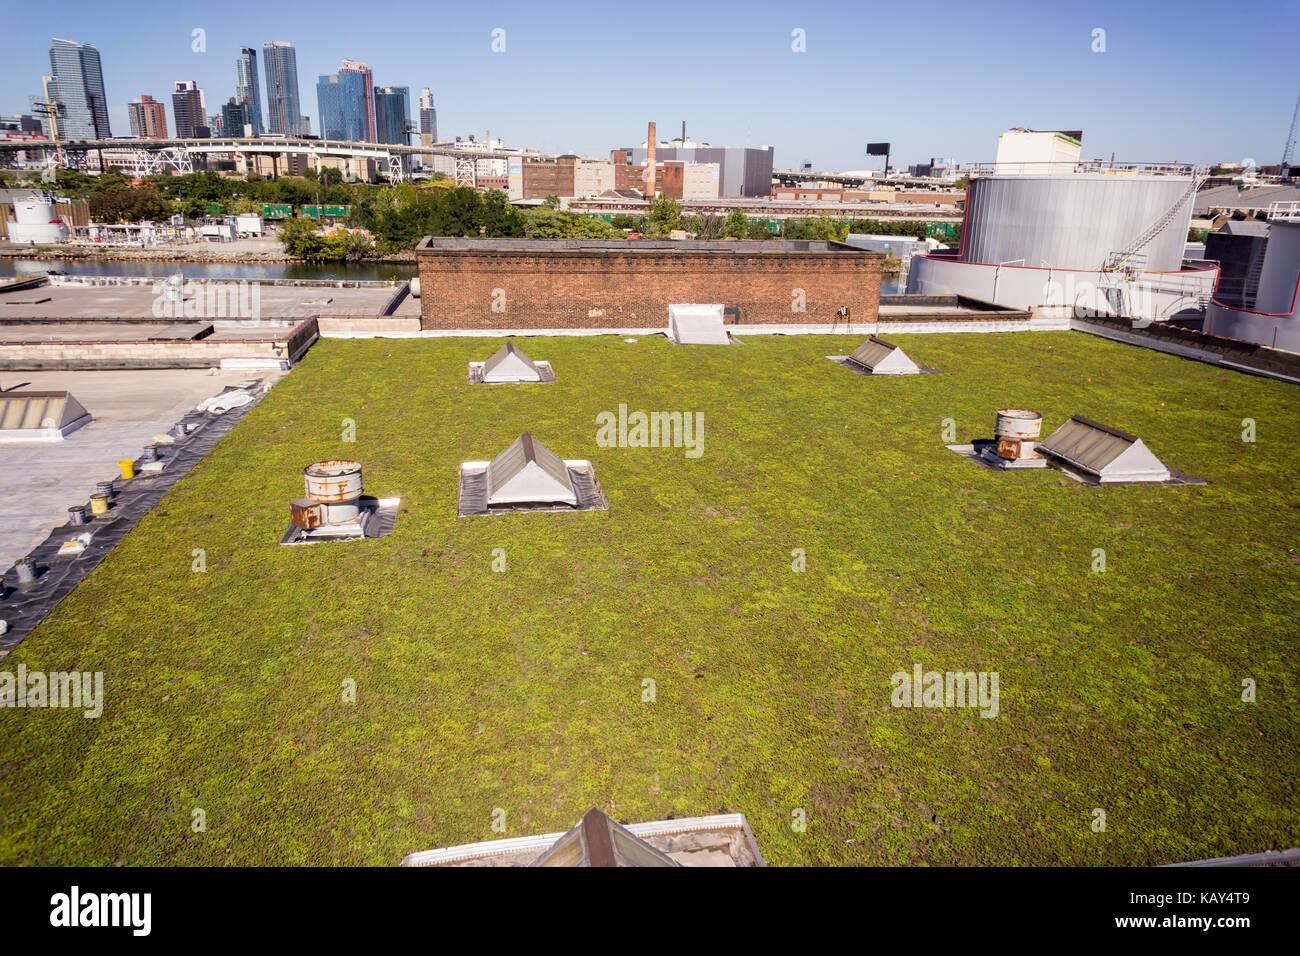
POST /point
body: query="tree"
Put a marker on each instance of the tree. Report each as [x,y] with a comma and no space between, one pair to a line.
[623,221]
[666,214]
[129,205]
[737,224]
[499,219]
[545,223]
[706,227]
[757,229]
[194,209]
[552,201]
[301,240]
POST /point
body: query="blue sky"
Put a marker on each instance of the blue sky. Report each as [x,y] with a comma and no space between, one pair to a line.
[1188,82]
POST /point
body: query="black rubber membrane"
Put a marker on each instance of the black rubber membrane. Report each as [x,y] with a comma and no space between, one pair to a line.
[24,606]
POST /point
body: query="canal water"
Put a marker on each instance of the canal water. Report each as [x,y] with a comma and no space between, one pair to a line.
[384,271]
[213,270]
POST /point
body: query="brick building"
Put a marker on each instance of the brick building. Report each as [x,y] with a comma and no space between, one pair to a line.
[673,178]
[566,176]
[588,284]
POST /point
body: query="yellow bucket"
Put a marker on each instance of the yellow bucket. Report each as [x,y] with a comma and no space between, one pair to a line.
[99,504]
[128,467]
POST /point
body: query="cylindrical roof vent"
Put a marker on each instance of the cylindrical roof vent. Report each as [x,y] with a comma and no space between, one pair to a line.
[334,481]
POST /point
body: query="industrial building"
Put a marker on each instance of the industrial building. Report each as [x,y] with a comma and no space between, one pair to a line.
[566,176]
[1258,302]
[742,170]
[1099,240]
[1031,152]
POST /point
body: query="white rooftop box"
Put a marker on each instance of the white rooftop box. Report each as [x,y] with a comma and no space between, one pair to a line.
[696,324]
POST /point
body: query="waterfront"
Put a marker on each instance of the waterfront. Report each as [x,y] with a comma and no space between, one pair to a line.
[324,271]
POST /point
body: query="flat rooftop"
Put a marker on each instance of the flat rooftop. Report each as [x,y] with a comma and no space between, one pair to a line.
[526,689]
[43,480]
[642,246]
[136,301]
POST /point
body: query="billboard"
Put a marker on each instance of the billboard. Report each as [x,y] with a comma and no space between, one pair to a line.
[877,149]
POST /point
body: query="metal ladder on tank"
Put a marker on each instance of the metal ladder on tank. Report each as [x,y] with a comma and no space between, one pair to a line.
[1250,284]
[1121,260]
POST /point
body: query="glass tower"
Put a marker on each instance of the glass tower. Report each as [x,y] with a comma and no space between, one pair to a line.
[78,87]
[246,90]
[283,114]
[391,113]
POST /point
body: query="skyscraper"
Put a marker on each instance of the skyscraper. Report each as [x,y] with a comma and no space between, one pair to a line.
[346,103]
[283,114]
[187,108]
[392,113]
[428,118]
[235,115]
[148,117]
[246,90]
[78,88]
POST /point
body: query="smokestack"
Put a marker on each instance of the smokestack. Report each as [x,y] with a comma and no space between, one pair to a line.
[683,132]
[650,162]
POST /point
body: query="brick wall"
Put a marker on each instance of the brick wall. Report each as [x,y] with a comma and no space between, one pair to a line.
[524,284]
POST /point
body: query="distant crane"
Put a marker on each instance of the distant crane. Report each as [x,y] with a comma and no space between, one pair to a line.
[1290,136]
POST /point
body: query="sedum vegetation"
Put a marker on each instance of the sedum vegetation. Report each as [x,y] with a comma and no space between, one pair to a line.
[523,690]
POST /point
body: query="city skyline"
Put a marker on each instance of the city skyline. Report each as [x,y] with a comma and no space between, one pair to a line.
[569,89]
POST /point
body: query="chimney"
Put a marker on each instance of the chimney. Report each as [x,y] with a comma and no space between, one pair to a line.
[650,162]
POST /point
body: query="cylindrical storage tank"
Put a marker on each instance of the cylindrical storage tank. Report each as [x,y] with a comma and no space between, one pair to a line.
[1018,424]
[33,212]
[1074,221]
[34,221]
[1277,280]
[333,482]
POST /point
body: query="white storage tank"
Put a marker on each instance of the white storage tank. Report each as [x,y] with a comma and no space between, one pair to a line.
[35,221]
[1281,273]
[1074,221]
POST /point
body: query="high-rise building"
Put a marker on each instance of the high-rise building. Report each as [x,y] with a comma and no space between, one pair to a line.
[78,88]
[148,118]
[283,114]
[246,89]
[428,118]
[392,113]
[235,116]
[345,102]
[392,117]
[188,110]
